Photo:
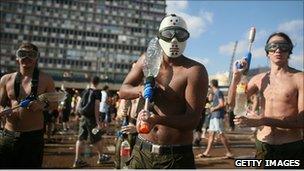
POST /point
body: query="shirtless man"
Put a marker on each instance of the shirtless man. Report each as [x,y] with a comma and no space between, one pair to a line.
[21,141]
[182,86]
[282,103]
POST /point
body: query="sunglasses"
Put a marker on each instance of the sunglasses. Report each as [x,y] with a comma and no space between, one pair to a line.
[284,47]
[168,33]
[26,54]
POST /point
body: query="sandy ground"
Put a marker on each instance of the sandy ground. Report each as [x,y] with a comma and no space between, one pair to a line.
[60,153]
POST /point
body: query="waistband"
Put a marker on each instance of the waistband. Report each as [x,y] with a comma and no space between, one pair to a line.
[162,149]
[280,145]
[18,134]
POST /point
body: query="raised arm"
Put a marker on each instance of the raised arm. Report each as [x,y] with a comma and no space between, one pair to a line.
[131,87]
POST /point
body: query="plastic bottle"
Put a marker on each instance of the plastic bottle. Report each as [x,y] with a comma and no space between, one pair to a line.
[153,59]
[125,153]
[241,98]
[240,107]
[87,151]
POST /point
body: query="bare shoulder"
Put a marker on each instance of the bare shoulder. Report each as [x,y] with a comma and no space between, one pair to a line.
[259,77]
[195,67]
[46,78]
[5,78]
[298,76]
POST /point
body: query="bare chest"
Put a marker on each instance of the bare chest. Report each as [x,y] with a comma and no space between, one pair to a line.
[280,91]
[171,85]
[25,88]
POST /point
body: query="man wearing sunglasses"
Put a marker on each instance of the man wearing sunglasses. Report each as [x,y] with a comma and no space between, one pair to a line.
[181,89]
[281,93]
[21,141]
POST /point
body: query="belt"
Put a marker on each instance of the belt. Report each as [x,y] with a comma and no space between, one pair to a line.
[17,134]
[162,149]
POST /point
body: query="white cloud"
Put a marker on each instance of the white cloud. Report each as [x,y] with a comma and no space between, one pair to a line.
[176,5]
[294,29]
[197,24]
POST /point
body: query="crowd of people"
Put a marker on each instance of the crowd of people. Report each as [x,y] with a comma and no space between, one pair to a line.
[183,108]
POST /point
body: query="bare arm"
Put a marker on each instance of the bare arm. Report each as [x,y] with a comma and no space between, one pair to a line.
[236,78]
[97,102]
[3,94]
[195,96]
[131,87]
[50,87]
[219,106]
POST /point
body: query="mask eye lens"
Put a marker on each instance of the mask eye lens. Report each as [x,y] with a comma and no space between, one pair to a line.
[169,33]
[182,35]
[272,47]
[27,54]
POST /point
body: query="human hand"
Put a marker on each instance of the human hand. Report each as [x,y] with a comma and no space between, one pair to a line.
[6,112]
[252,119]
[237,72]
[147,117]
[129,129]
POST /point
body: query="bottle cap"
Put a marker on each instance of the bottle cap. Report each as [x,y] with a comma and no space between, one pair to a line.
[144,129]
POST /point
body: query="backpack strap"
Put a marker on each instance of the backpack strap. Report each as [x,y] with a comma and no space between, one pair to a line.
[17,86]
[34,85]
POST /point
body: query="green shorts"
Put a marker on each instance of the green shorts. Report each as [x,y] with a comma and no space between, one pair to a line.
[288,151]
[85,130]
[21,150]
[146,155]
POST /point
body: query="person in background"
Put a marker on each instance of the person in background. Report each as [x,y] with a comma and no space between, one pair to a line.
[216,121]
[104,107]
[207,114]
[89,120]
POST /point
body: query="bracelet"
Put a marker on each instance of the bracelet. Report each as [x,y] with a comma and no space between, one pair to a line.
[47,104]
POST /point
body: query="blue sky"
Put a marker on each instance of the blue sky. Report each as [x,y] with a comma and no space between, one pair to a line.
[214,27]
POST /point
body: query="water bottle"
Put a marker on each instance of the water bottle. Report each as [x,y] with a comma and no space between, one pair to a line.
[151,67]
[153,58]
[240,107]
[241,98]
[87,151]
[95,131]
[125,153]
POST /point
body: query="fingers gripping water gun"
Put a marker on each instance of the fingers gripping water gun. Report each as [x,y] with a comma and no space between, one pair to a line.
[248,54]
[50,97]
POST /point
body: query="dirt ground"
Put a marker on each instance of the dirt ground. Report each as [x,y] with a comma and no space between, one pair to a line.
[60,153]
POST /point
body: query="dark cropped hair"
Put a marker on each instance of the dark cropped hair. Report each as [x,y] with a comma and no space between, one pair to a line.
[28,46]
[95,80]
[214,83]
[281,34]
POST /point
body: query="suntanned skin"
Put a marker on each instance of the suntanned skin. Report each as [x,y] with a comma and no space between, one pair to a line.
[282,100]
[182,88]
[24,119]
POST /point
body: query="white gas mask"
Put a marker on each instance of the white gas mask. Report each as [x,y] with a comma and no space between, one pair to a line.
[172,35]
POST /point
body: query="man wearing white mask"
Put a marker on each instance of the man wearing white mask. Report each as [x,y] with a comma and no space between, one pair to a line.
[182,86]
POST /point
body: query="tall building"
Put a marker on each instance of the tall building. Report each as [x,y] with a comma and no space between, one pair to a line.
[80,38]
